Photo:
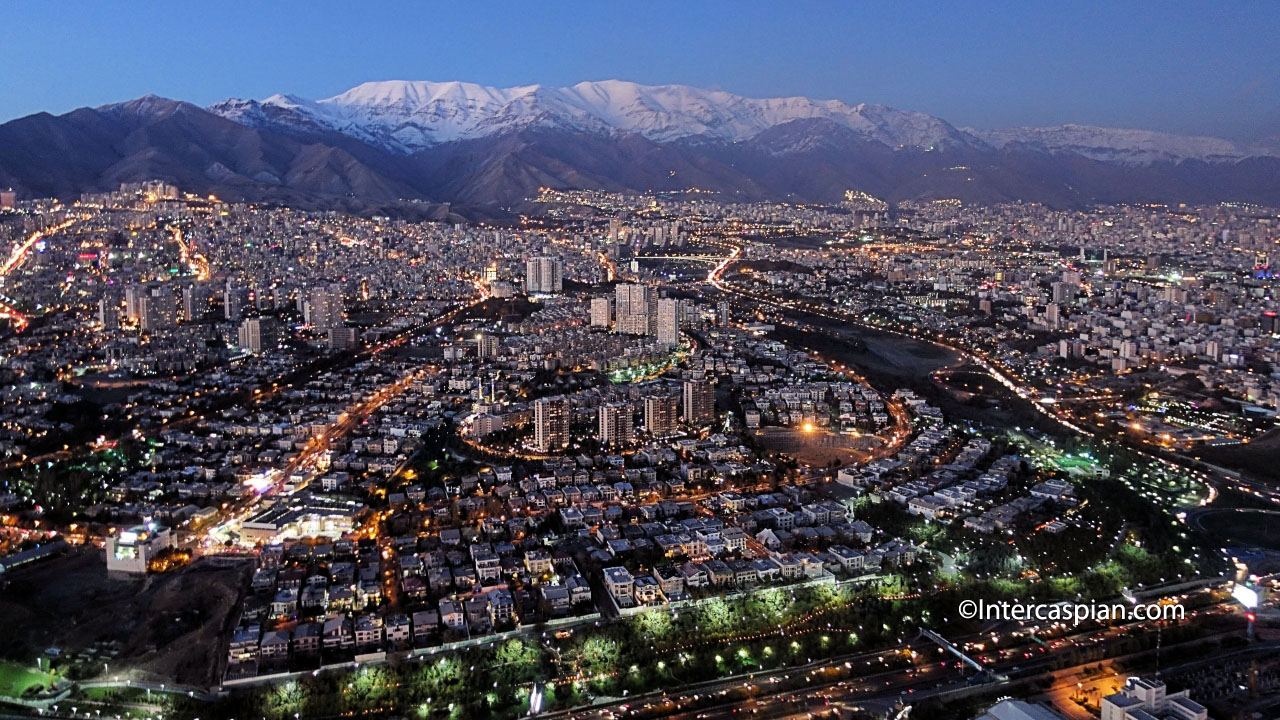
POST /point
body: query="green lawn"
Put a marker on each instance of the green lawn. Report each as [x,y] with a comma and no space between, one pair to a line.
[15,678]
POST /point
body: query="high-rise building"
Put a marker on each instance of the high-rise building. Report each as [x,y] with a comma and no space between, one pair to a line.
[108,314]
[600,312]
[258,334]
[544,274]
[630,298]
[324,307]
[158,309]
[8,199]
[699,402]
[486,424]
[342,338]
[616,424]
[660,415]
[668,321]
[151,190]
[722,313]
[234,300]
[631,308]
[281,295]
[195,301]
[134,302]
[1269,321]
[551,424]
[140,307]
[487,346]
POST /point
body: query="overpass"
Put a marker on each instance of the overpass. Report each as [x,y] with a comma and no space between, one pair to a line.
[691,258]
[946,645]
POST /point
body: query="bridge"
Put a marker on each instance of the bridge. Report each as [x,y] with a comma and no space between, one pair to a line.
[945,644]
[691,258]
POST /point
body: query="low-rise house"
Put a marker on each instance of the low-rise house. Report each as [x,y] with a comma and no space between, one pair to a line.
[502,607]
[337,633]
[275,644]
[452,616]
[306,638]
[244,644]
[426,624]
[398,630]
[647,591]
[368,631]
[555,600]
[619,583]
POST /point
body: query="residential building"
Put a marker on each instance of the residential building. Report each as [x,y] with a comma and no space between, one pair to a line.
[616,420]
[699,402]
[551,424]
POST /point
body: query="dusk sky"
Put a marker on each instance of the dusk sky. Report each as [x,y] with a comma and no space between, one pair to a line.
[1188,67]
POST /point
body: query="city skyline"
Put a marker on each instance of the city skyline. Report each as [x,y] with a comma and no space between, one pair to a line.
[647,361]
[614,456]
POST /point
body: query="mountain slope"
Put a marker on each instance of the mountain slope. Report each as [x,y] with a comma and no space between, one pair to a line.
[1130,147]
[90,150]
[410,116]
[387,147]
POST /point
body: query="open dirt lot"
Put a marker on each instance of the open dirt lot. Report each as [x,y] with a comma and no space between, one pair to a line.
[1256,459]
[167,627]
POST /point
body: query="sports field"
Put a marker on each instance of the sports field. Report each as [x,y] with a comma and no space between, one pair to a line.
[15,679]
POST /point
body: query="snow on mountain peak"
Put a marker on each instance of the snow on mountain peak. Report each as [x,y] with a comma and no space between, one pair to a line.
[149,104]
[417,93]
[407,116]
[1115,145]
[412,115]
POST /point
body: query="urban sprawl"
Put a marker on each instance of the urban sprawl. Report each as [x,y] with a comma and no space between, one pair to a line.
[639,456]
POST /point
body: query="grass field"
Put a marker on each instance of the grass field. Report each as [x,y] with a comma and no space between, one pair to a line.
[15,678]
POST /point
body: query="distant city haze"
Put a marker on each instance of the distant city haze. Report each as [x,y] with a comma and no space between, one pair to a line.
[1188,68]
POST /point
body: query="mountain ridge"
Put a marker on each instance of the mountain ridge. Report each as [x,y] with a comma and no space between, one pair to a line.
[406,116]
[450,149]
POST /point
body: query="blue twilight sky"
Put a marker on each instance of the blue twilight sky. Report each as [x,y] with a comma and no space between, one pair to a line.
[1190,67]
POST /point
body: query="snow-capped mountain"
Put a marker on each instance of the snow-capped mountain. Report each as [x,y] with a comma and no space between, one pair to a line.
[410,116]
[402,147]
[1115,145]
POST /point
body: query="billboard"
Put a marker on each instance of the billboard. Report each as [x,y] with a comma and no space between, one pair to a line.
[1246,594]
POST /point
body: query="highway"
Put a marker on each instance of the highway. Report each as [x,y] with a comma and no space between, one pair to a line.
[15,260]
[196,262]
[828,685]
